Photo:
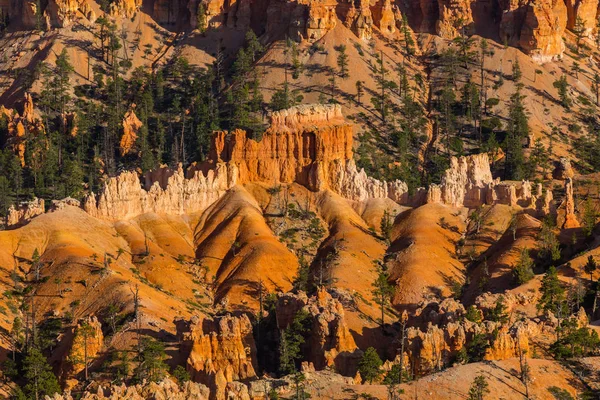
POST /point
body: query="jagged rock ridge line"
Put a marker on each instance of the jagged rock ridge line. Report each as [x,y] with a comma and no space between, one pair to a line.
[310,145]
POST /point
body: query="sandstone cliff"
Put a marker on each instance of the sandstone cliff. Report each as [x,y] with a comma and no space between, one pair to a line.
[19,125]
[446,332]
[17,216]
[329,342]
[310,145]
[222,350]
[87,343]
[166,389]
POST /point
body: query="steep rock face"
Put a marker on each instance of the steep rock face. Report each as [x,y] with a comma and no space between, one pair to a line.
[321,19]
[585,11]
[465,182]
[17,216]
[166,389]
[468,182]
[362,24]
[88,339]
[310,145]
[541,34]
[444,332]
[329,342]
[131,127]
[169,12]
[570,220]
[19,125]
[123,196]
[384,17]
[222,350]
[563,169]
[125,8]
[454,16]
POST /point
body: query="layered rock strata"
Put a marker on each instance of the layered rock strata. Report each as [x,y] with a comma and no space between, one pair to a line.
[19,125]
[329,342]
[221,351]
[310,145]
[445,332]
[86,345]
[20,215]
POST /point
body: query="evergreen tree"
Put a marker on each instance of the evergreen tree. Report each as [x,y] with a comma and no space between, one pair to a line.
[342,61]
[479,388]
[563,92]
[517,131]
[369,365]
[201,20]
[590,267]
[409,43]
[291,341]
[579,31]
[498,313]
[40,381]
[152,360]
[523,271]
[589,218]
[553,293]
[382,289]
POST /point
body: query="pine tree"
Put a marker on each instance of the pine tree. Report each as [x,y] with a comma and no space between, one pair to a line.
[342,61]
[40,381]
[523,271]
[201,21]
[553,294]
[579,31]
[563,92]
[382,289]
[589,218]
[517,131]
[409,43]
[152,360]
[369,365]
[359,92]
[517,74]
[590,267]
[479,388]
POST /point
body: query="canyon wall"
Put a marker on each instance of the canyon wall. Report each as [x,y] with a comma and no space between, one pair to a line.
[536,26]
[329,342]
[221,351]
[310,145]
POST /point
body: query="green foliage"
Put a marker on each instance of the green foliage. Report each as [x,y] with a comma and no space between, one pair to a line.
[291,341]
[382,289]
[285,98]
[559,393]
[498,313]
[39,378]
[369,365]
[473,314]
[553,293]
[563,92]
[549,250]
[181,374]
[589,218]
[477,347]
[517,132]
[574,341]
[523,271]
[342,61]
[590,267]
[152,358]
[479,388]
